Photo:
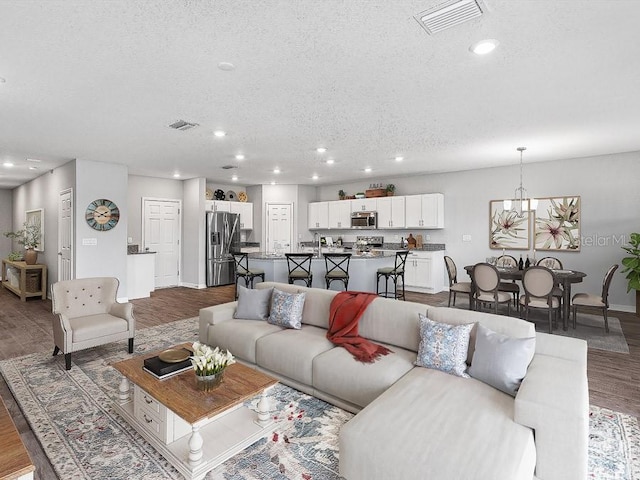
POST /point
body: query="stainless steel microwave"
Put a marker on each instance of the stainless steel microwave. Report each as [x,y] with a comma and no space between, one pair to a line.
[364,220]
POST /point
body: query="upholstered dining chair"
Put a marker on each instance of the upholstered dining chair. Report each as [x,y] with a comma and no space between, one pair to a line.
[486,281]
[89,315]
[299,265]
[510,287]
[242,270]
[394,273]
[601,302]
[539,284]
[337,266]
[455,287]
[550,262]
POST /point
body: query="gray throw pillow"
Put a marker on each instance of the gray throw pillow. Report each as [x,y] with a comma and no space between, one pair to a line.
[501,361]
[253,304]
[286,309]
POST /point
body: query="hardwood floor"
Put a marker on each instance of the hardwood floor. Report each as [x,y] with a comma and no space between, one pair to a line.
[614,378]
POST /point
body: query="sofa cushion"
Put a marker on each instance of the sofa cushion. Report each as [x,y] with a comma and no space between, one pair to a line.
[443,346]
[253,304]
[240,336]
[501,361]
[445,427]
[96,326]
[337,373]
[291,352]
[286,309]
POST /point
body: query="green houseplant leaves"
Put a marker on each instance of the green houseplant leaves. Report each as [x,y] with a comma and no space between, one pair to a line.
[632,264]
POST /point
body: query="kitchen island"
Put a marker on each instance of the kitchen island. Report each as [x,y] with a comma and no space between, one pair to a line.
[362,270]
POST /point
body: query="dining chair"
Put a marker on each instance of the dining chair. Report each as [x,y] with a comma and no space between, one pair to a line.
[600,302]
[550,262]
[539,284]
[486,281]
[395,272]
[512,287]
[337,266]
[299,265]
[455,287]
[242,270]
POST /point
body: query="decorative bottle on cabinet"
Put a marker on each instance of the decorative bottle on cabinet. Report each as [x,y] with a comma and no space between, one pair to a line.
[520,263]
[527,264]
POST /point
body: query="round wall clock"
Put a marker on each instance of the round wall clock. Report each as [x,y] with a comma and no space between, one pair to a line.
[102,214]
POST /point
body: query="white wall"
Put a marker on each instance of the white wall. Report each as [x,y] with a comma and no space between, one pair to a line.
[6,221]
[193,233]
[254,194]
[108,258]
[140,187]
[608,186]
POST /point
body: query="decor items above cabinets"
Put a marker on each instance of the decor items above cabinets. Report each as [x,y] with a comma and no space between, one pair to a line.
[424,211]
[391,212]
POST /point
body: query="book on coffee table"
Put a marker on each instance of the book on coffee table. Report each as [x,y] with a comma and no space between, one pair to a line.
[160,369]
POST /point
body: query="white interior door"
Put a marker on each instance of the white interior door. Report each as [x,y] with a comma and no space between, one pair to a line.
[65,235]
[161,234]
[279,227]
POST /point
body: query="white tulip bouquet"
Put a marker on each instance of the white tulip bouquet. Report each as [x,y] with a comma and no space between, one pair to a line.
[210,361]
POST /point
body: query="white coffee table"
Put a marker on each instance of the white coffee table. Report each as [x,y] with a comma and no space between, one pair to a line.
[195,431]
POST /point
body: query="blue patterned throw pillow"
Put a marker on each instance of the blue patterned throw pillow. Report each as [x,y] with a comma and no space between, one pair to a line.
[443,346]
[286,309]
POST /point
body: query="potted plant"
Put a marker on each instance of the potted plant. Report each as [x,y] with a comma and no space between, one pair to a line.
[30,236]
[341,194]
[209,365]
[632,267]
[391,188]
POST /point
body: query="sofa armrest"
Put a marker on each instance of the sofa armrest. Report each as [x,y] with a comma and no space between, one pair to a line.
[561,347]
[214,315]
[122,310]
[553,400]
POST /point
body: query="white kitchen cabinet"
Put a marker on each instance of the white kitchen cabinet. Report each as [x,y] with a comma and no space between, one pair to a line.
[424,211]
[245,210]
[318,215]
[363,205]
[391,212]
[141,274]
[424,271]
[339,214]
[217,206]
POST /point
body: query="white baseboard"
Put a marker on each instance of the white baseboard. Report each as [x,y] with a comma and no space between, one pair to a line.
[198,286]
[623,308]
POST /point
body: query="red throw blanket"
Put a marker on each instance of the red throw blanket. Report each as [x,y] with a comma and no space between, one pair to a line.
[344,313]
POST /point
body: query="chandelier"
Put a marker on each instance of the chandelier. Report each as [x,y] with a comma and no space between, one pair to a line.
[521,202]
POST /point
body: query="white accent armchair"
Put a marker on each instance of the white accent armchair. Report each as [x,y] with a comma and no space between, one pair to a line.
[89,315]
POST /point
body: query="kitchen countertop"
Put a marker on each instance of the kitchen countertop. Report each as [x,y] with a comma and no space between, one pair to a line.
[270,256]
[139,253]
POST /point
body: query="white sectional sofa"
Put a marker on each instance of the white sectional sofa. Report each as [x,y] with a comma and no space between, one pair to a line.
[415,422]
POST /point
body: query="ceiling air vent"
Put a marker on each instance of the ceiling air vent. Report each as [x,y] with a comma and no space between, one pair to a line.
[228,167]
[449,14]
[182,125]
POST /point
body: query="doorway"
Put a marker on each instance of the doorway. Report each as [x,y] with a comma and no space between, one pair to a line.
[279,227]
[65,235]
[161,234]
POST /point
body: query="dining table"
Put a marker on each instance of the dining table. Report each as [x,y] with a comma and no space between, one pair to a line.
[565,278]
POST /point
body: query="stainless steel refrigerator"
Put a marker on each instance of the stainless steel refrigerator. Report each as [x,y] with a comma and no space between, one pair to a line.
[223,238]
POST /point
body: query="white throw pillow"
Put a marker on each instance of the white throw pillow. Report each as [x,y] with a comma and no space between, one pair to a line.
[444,347]
[253,304]
[501,361]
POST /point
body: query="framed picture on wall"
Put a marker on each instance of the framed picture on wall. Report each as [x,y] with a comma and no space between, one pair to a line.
[506,229]
[557,224]
[36,217]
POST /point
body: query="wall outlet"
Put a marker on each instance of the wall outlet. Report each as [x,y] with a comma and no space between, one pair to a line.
[428,237]
[92,242]
[466,238]
[129,239]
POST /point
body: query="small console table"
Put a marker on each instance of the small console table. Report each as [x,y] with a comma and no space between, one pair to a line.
[24,269]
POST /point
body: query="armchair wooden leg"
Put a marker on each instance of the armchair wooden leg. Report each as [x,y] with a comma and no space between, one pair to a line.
[56,350]
[131,345]
[67,361]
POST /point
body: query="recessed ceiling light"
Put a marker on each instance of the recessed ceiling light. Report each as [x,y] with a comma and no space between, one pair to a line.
[367,169]
[321,149]
[226,66]
[315,177]
[484,46]
[330,161]
[219,133]
[176,175]
[34,160]
[234,178]
[273,182]
[399,159]
[239,156]
[276,170]
[33,168]
[8,164]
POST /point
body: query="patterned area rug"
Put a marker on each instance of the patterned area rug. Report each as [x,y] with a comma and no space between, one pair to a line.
[588,327]
[71,414]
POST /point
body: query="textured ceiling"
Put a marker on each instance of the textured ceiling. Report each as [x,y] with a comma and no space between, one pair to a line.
[101,80]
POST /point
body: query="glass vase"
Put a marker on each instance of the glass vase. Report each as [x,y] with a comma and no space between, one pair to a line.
[206,383]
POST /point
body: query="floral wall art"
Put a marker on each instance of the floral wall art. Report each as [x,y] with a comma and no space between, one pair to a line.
[557,224]
[507,230]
